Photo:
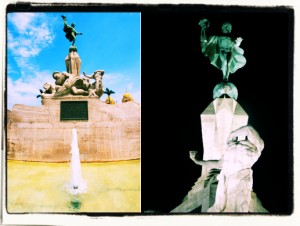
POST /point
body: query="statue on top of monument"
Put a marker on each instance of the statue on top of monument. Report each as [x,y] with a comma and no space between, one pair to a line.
[70,31]
[223,52]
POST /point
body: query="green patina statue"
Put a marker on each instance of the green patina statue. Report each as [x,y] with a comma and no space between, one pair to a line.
[223,52]
[70,31]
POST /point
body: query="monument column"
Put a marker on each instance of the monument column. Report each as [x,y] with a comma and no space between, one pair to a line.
[73,62]
[221,117]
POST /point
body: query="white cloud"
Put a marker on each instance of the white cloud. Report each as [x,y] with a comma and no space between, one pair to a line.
[119,83]
[136,96]
[11,42]
[112,79]
[24,91]
[129,86]
[11,69]
[22,20]
[28,33]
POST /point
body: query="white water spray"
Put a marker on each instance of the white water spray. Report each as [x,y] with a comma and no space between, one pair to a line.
[77,185]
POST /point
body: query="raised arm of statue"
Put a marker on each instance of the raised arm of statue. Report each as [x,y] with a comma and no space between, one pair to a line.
[209,163]
[238,41]
[204,24]
[70,31]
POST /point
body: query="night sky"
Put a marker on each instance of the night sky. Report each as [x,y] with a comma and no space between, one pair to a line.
[177,84]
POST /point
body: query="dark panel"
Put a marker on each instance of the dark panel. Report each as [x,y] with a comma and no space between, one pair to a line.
[73,110]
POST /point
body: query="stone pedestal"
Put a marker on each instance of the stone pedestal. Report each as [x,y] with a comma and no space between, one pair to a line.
[218,120]
[111,133]
[202,195]
[73,63]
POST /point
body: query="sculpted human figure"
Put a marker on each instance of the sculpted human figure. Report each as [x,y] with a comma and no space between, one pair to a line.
[233,194]
[49,90]
[70,31]
[223,52]
[60,78]
[72,85]
[97,86]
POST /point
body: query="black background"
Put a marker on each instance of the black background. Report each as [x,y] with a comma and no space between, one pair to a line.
[177,84]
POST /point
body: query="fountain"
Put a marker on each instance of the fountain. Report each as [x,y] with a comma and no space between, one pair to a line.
[76,185]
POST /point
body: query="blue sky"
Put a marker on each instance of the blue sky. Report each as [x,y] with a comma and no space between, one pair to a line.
[36,47]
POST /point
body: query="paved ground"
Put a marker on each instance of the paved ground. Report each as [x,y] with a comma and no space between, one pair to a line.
[39,187]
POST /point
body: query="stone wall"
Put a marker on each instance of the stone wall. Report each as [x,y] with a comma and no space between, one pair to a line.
[111,133]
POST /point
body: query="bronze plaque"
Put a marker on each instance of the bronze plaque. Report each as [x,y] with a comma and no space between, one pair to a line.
[73,110]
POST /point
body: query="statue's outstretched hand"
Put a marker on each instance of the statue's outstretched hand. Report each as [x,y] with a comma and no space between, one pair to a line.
[204,23]
[193,155]
[64,17]
[238,41]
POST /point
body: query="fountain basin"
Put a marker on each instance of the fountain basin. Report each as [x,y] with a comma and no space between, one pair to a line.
[37,187]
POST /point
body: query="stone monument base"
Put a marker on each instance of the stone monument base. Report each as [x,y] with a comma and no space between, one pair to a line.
[202,196]
[111,132]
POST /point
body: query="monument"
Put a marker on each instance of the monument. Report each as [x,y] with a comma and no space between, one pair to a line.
[230,145]
[108,132]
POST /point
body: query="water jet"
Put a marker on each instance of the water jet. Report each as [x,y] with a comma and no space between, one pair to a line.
[76,185]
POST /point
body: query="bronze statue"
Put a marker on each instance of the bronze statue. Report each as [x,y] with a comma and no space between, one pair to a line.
[223,52]
[70,31]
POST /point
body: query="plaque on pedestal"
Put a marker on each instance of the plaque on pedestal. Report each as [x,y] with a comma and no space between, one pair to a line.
[73,110]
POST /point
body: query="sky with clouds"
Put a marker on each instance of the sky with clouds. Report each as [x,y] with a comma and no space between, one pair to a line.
[36,47]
